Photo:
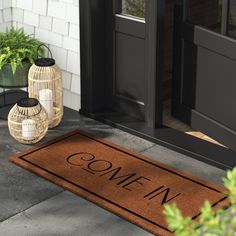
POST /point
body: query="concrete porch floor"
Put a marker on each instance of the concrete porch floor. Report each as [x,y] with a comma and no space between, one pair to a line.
[32,206]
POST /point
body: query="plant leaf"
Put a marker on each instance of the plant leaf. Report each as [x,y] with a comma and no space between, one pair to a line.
[16,46]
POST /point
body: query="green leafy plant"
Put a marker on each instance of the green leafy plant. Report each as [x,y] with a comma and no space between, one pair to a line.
[16,46]
[211,223]
[135,8]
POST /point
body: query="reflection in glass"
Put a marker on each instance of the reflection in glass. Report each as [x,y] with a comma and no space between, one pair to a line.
[206,13]
[232,19]
[134,8]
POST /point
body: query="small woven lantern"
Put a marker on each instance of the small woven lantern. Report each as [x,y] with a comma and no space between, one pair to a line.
[45,84]
[28,121]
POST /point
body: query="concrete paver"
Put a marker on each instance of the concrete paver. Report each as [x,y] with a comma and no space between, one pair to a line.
[70,215]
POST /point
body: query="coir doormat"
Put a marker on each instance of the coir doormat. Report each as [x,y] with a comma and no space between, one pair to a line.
[122,181]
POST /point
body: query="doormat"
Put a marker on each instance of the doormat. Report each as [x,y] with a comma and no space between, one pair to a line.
[125,182]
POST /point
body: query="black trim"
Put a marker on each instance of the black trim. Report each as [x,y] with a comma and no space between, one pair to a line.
[92,48]
[97,195]
[180,109]
[154,68]
[44,62]
[27,102]
[97,57]
[213,205]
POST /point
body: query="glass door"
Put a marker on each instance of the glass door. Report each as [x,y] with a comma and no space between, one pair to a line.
[134,8]
[204,78]
[126,74]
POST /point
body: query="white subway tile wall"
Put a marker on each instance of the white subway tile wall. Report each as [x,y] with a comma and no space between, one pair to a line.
[60,26]
[6,3]
[17,15]
[40,7]
[30,18]
[66,79]
[72,13]
[14,3]
[56,23]
[42,34]
[29,29]
[72,63]
[75,85]
[61,56]
[67,1]
[55,39]
[71,99]
[1,19]
[74,31]
[57,9]
[25,4]
[76,2]
[7,17]
[45,22]
[70,44]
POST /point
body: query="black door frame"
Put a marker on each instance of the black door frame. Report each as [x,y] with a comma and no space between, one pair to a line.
[118,27]
[93,16]
[188,98]
[185,30]
[93,72]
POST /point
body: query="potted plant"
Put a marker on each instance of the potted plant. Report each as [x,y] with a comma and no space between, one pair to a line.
[211,223]
[18,51]
[135,8]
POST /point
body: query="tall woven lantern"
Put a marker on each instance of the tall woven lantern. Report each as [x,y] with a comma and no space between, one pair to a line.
[45,84]
[28,121]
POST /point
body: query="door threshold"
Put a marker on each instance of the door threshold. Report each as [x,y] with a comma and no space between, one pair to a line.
[188,145]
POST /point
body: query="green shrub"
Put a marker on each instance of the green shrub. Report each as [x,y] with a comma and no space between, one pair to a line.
[211,223]
[16,46]
[135,8]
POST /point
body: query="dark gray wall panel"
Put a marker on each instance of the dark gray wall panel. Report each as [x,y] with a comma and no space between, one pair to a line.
[224,135]
[218,43]
[216,83]
[130,27]
[92,47]
[189,74]
[130,62]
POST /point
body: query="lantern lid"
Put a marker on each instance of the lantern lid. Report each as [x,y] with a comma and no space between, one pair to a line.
[27,102]
[44,62]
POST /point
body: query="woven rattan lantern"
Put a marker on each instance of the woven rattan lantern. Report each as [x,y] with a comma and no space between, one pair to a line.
[45,84]
[28,121]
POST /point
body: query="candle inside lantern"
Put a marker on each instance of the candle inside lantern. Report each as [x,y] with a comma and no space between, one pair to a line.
[45,98]
[28,129]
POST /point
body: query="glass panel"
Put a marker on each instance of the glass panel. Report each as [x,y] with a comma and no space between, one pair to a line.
[206,13]
[133,8]
[232,19]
